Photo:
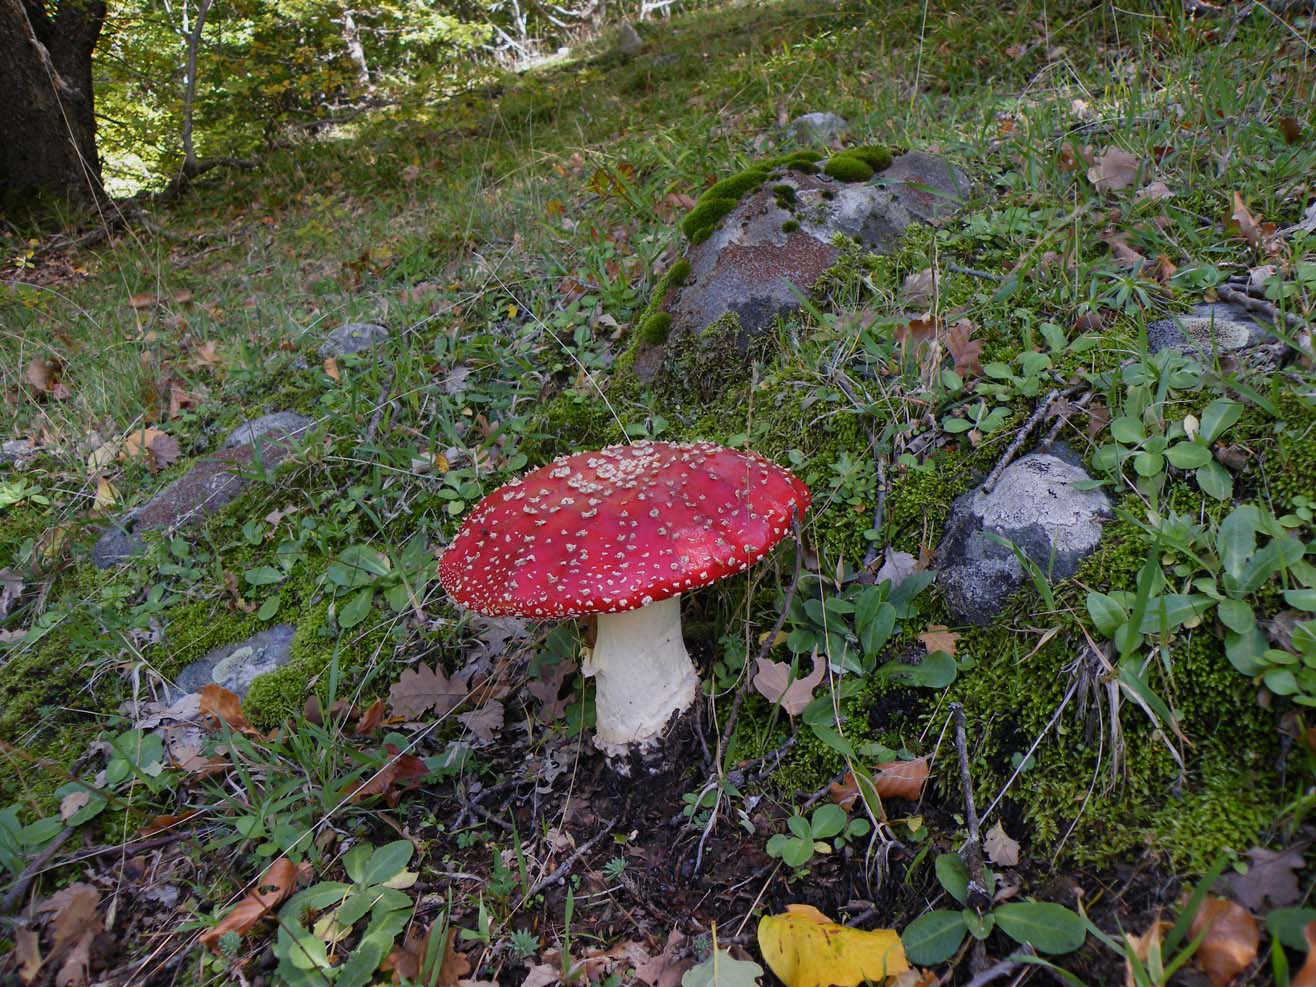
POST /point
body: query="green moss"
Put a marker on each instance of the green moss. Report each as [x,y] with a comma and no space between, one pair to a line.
[737,186]
[847,168]
[784,195]
[790,226]
[653,330]
[875,157]
[700,222]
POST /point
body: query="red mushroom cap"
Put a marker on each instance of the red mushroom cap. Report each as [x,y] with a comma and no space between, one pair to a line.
[617,529]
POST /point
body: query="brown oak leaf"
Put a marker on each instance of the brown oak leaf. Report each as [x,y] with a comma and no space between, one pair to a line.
[420,690]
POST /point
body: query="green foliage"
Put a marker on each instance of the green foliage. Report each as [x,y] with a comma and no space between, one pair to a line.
[848,168]
[653,330]
[700,222]
[811,836]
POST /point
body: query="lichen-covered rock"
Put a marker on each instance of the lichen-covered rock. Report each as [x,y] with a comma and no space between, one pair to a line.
[817,128]
[1037,505]
[278,423]
[236,666]
[353,337]
[777,240]
[1207,329]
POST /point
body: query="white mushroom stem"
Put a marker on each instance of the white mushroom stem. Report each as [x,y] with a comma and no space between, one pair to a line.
[643,674]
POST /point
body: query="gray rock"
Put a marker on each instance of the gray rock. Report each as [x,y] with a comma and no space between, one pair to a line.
[1207,329]
[753,268]
[16,452]
[279,423]
[628,39]
[236,666]
[208,486]
[353,337]
[1035,505]
[811,129]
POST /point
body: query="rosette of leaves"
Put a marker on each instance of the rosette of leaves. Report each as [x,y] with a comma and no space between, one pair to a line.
[935,936]
[1185,445]
[376,897]
[808,837]
[853,626]
[361,572]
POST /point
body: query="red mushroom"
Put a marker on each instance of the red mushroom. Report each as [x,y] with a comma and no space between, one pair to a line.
[621,533]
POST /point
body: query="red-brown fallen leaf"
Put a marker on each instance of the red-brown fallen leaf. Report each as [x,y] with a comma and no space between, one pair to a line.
[964,349]
[420,690]
[160,823]
[938,638]
[331,369]
[219,706]
[667,967]
[1259,235]
[546,688]
[407,961]
[1143,947]
[917,331]
[45,377]
[144,299]
[485,722]
[1162,269]
[274,885]
[370,720]
[1306,977]
[402,773]
[1231,941]
[891,779]
[1125,256]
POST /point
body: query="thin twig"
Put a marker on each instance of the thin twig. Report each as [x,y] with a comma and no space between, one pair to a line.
[874,553]
[978,898]
[1049,439]
[1018,442]
[1244,300]
[995,972]
[18,890]
[768,642]
[563,870]
[973,272]
[381,404]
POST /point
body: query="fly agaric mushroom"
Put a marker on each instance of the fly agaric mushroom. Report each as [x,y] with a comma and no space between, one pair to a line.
[621,533]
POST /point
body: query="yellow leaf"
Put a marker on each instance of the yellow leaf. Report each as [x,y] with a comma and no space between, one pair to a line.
[331,369]
[807,949]
[938,638]
[106,495]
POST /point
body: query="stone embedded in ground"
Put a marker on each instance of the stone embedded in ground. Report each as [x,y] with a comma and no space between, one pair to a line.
[353,337]
[213,482]
[1207,329]
[1037,506]
[16,452]
[628,39]
[811,129]
[752,267]
[281,423]
[236,666]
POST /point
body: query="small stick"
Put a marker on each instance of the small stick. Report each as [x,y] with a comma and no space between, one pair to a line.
[1018,443]
[973,272]
[995,972]
[381,404]
[563,870]
[18,890]
[1245,300]
[1050,437]
[978,899]
[874,552]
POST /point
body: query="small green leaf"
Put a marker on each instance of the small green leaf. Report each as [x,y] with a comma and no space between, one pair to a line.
[1215,481]
[1302,599]
[356,609]
[933,937]
[1044,925]
[828,820]
[1236,615]
[1127,430]
[1106,614]
[953,874]
[722,970]
[1188,455]
[1218,416]
[265,575]
[388,862]
[269,608]
[1246,651]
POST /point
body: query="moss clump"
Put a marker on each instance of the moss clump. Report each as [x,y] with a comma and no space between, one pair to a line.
[700,222]
[790,226]
[785,196]
[736,186]
[653,330]
[806,157]
[877,158]
[844,168]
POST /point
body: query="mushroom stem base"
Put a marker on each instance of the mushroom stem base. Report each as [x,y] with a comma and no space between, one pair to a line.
[643,674]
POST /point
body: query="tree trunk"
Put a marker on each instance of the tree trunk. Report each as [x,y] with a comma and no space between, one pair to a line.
[355,51]
[48,127]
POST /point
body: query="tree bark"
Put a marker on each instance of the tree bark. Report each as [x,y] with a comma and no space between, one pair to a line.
[48,125]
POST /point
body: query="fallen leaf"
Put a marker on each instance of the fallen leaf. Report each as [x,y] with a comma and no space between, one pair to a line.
[938,638]
[1000,848]
[1125,256]
[772,680]
[486,721]
[1271,875]
[1143,946]
[1153,192]
[370,720]
[27,950]
[1291,129]
[400,773]
[964,349]
[220,706]
[274,885]
[145,299]
[106,496]
[331,369]
[807,949]
[1113,169]
[164,452]
[72,803]
[1231,941]
[1257,234]
[407,961]
[919,289]
[420,690]
[896,566]
[1306,977]
[1162,269]
[542,975]
[667,968]
[73,912]
[918,331]
[546,689]
[11,588]
[892,779]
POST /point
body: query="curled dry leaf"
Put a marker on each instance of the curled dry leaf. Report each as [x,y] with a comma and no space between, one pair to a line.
[274,885]
[772,680]
[1271,875]
[1113,169]
[1000,848]
[220,706]
[546,689]
[964,349]
[407,961]
[1143,946]
[1230,944]
[919,289]
[1153,192]
[938,638]
[891,779]
[401,773]
[1306,977]
[45,378]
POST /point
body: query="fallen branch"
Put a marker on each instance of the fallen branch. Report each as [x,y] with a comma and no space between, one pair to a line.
[1018,442]
[563,870]
[18,890]
[1242,299]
